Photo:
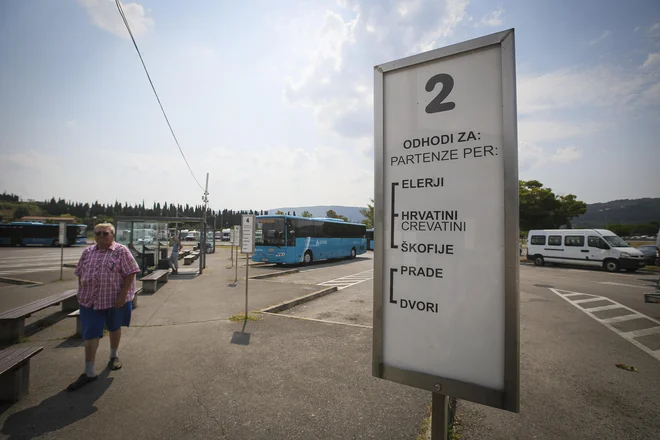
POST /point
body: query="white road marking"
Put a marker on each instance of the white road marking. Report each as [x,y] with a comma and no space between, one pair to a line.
[349,280]
[621,284]
[607,322]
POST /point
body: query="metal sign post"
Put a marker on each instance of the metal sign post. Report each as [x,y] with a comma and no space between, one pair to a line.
[446,209]
[62,239]
[247,247]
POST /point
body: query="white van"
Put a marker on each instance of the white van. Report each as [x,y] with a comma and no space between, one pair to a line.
[583,247]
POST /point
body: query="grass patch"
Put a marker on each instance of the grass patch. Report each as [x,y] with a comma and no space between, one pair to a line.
[426,425]
[241,317]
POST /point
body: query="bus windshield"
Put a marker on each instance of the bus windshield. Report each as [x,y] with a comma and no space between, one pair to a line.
[270,232]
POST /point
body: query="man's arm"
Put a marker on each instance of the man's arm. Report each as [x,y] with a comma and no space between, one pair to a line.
[125,286]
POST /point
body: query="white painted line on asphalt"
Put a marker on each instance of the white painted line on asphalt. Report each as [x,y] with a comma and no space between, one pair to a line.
[601,308]
[349,280]
[642,332]
[622,318]
[621,284]
[316,320]
[577,294]
[588,300]
[607,322]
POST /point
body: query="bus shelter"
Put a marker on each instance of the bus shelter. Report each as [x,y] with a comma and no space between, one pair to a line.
[149,238]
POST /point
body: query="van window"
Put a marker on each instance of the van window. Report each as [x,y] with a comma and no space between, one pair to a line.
[574,240]
[554,240]
[597,242]
[538,240]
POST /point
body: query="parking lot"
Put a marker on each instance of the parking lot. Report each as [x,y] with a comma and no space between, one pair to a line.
[316,358]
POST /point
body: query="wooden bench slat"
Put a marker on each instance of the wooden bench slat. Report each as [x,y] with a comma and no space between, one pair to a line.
[35,306]
[11,357]
[155,275]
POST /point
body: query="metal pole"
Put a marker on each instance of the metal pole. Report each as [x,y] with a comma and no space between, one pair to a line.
[202,262]
[61,259]
[439,416]
[247,264]
[236,278]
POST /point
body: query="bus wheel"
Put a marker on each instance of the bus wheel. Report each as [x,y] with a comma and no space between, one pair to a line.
[56,242]
[308,258]
[538,260]
[353,253]
[611,265]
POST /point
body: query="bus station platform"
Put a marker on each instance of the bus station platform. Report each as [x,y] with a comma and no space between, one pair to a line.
[183,378]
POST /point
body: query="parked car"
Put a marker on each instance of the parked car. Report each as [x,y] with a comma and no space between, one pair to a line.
[583,247]
[650,252]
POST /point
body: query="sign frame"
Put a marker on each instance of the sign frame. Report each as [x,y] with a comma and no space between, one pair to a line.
[507,398]
[248,240]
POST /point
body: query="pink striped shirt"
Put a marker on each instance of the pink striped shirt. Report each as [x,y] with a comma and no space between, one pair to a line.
[101,274]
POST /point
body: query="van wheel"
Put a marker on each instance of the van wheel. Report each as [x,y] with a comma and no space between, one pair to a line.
[611,265]
[353,253]
[538,260]
[308,258]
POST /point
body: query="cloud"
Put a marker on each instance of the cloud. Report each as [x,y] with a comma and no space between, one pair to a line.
[336,79]
[565,155]
[30,160]
[602,87]
[493,19]
[602,36]
[553,130]
[104,15]
[531,155]
[652,59]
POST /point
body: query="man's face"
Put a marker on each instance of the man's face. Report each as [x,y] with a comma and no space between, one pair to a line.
[103,236]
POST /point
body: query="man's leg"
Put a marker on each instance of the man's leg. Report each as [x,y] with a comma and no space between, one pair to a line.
[93,322]
[116,319]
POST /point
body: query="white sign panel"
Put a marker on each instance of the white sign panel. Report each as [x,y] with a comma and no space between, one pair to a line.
[236,235]
[247,233]
[443,148]
[62,235]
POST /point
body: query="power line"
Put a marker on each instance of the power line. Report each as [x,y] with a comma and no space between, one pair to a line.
[121,12]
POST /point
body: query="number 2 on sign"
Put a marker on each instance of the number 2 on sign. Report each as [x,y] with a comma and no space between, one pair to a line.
[437,104]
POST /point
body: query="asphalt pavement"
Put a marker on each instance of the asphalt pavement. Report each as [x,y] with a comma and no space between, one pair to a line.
[306,372]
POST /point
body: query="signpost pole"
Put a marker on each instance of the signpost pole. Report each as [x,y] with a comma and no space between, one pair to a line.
[62,237]
[247,265]
[439,416]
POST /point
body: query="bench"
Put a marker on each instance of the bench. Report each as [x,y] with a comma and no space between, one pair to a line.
[76,314]
[12,322]
[189,259]
[150,282]
[183,254]
[15,372]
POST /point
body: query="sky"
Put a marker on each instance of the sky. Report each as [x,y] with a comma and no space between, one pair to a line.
[275,99]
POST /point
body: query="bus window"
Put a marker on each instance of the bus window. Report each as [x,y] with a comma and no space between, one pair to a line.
[272,232]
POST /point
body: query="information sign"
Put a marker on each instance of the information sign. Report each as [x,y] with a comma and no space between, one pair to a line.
[446,269]
[247,233]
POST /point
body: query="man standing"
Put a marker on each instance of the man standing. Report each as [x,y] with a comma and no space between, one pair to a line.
[174,256]
[106,287]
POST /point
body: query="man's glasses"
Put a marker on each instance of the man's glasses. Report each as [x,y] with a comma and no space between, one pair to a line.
[103,233]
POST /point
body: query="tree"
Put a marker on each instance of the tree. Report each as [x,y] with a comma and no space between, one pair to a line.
[368,214]
[330,213]
[540,208]
[307,214]
[21,211]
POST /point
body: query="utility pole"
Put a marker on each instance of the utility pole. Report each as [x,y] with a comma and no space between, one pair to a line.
[205,198]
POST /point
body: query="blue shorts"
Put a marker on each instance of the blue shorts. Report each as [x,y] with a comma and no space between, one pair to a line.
[93,321]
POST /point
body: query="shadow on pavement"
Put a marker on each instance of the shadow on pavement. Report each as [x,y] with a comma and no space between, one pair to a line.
[58,411]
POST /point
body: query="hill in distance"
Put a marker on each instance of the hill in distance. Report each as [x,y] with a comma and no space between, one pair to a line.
[350,212]
[626,211]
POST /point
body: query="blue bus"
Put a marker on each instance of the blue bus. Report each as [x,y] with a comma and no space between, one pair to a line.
[370,239]
[44,234]
[286,239]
